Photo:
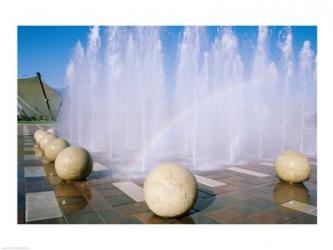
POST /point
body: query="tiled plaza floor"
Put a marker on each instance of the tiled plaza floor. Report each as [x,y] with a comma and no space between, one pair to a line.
[249,194]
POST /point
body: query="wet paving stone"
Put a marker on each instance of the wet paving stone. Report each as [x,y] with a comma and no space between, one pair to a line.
[119,200]
[84,218]
[244,199]
[59,220]
[224,215]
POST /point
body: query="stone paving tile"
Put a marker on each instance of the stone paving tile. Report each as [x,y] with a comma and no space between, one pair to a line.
[84,218]
[70,200]
[224,215]
[34,172]
[67,189]
[119,200]
[21,216]
[250,206]
[76,208]
[300,206]
[304,219]
[100,205]
[59,220]
[248,172]
[112,216]
[225,189]
[150,218]
[275,215]
[197,219]
[132,208]
[42,213]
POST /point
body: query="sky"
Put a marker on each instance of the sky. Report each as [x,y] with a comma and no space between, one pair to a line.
[48,49]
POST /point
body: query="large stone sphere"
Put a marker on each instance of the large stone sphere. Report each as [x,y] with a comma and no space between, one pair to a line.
[45,140]
[73,163]
[170,190]
[51,131]
[39,134]
[292,167]
[54,147]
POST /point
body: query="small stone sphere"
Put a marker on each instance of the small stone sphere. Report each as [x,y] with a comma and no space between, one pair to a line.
[37,132]
[170,190]
[51,131]
[54,147]
[40,135]
[73,164]
[292,167]
[45,140]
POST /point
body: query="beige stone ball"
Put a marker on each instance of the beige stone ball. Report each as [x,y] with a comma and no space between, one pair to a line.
[170,190]
[39,135]
[54,147]
[73,163]
[51,131]
[37,132]
[292,167]
[45,140]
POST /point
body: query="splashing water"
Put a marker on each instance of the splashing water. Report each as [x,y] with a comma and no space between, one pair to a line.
[119,105]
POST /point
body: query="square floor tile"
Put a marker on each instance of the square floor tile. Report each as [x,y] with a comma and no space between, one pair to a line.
[84,218]
[224,215]
[31,157]
[119,200]
[43,213]
[34,172]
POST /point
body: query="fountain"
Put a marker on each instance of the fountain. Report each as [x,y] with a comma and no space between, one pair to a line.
[121,106]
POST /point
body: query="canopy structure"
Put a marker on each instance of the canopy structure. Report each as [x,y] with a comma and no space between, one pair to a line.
[36,100]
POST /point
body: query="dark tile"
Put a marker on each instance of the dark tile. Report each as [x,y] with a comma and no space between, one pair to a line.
[132,208]
[100,205]
[111,192]
[304,219]
[250,206]
[76,208]
[224,215]
[225,189]
[150,218]
[119,200]
[202,204]
[21,216]
[84,218]
[114,217]
[105,186]
[111,216]
[67,189]
[59,220]
[70,200]
[274,215]
[197,219]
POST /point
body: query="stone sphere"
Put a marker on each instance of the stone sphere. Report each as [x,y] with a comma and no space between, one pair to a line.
[170,190]
[45,140]
[73,164]
[51,131]
[54,147]
[292,167]
[39,134]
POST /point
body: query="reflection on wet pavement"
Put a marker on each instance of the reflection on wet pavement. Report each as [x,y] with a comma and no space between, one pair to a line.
[248,194]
